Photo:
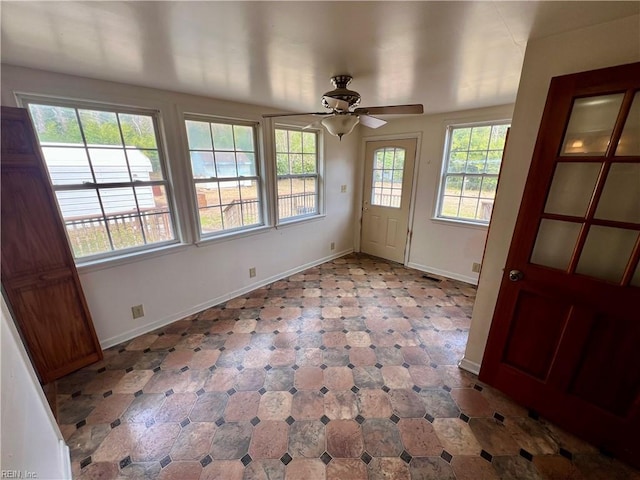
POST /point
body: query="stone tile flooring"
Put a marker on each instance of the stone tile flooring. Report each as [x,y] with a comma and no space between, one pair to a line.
[345,371]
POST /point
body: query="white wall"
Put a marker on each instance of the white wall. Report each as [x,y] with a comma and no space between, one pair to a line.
[604,45]
[190,278]
[439,246]
[30,440]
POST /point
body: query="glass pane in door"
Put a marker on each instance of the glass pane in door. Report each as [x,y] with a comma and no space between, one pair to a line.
[555,243]
[635,280]
[388,173]
[620,198]
[629,143]
[591,124]
[572,187]
[606,252]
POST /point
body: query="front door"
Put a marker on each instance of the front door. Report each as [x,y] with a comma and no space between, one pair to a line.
[387,194]
[566,330]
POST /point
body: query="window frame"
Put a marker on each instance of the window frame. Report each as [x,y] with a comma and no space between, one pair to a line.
[318,175]
[449,129]
[199,235]
[114,255]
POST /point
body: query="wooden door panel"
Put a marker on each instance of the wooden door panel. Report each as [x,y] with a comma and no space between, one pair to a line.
[564,337]
[39,276]
[24,197]
[535,333]
[49,314]
[611,343]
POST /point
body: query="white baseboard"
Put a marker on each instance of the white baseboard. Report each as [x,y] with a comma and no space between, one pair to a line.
[469,366]
[128,335]
[443,273]
[65,459]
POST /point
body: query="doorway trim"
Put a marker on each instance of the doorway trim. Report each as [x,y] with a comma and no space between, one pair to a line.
[360,185]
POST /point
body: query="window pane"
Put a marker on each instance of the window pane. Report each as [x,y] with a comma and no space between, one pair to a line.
[378,162]
[282,164]
[281,140]
[56,124]
[198,135]
[460,138]
[309,142]
[67,165]
[246,164]
[100,128]
[139,170]
[296,156]
[110,165]
[138,131]
[243,137]
[309,163]
[606,252]
[620,198]
[202,165]
[629,143]
[453,185]
[480,138]
[208,194]
[555,243]
[226,164]
[457,162]
[102,220]
[473,157]
[572,187]
[210,219]
[295,141]
[222,136]
[591,124]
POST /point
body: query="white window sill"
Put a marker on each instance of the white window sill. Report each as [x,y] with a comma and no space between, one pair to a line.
[460,223]
[298,220]
[225,237]
[116,261]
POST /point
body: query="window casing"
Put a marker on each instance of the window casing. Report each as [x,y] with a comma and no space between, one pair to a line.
[225,174]
[107,169]
[470,168]
[297,173]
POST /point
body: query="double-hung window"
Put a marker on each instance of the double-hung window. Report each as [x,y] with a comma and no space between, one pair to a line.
[107,170]
[470,171]
[297,166]
[225,174]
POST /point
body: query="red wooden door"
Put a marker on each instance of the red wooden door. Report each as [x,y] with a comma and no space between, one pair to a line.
[566,329]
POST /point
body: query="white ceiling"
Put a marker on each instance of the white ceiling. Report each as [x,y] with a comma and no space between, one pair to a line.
[447,55]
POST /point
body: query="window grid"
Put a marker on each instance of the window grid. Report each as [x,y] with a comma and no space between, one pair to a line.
[297,173]
[470,172]
[96,228]
[388,172]
[225,175]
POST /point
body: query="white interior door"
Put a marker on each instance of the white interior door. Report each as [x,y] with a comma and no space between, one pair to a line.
[388,177]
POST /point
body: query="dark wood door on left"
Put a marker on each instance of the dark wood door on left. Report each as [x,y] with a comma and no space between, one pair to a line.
[39,277]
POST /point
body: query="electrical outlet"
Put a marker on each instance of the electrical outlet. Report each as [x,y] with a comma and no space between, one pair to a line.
[343,189]
[252,272]
[333,245]
[137,311]
[475,267]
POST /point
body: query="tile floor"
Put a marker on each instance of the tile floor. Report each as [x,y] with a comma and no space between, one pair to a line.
[346,371]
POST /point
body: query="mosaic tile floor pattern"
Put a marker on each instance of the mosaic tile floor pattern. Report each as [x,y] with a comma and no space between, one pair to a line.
[344,371]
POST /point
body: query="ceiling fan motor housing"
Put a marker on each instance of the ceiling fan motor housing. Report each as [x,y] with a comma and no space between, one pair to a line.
[341,92]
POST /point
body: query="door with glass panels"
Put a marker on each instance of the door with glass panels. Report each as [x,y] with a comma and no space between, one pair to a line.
[387,194]
[566,329]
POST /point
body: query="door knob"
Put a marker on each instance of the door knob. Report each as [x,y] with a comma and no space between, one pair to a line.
[515,275]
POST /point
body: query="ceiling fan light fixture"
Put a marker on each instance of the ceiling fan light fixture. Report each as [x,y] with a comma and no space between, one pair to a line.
[339,125]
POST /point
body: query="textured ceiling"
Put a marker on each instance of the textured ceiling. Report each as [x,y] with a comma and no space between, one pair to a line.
[447,55]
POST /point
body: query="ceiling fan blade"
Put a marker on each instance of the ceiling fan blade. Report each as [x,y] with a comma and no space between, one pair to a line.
[391,109]
[336,103]
[315,124]
[371,122]
[272,115]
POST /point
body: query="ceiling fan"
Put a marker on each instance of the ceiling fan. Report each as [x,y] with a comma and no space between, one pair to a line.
[344,112]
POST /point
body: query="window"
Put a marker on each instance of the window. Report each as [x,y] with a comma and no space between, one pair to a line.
[388,171]
[225,174]
[470,172]
[297,173]
[107,172]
